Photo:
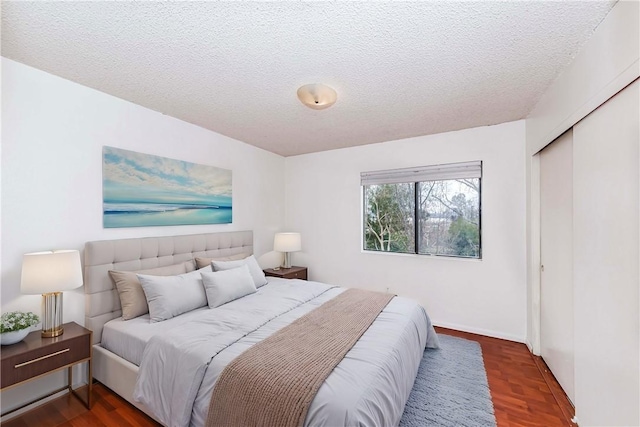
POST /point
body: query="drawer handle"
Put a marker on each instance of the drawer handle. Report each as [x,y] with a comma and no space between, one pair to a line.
[20,365]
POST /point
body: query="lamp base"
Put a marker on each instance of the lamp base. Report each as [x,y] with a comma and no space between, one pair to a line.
[52,315]
[51,334]
[287,260]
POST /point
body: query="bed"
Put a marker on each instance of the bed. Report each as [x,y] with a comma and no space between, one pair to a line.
[369,386]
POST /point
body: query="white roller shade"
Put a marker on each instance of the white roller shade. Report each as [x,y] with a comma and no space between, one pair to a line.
[423,173]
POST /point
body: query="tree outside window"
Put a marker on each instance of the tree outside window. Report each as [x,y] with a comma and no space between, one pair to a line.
[447,212]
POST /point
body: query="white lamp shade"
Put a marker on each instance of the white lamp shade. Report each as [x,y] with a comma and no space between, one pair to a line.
[44,272]
[287,242]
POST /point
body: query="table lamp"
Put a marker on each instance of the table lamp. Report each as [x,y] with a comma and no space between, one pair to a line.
[50,273]
[287,243]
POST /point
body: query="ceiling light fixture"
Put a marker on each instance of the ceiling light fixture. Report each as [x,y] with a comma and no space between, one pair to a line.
[317,96]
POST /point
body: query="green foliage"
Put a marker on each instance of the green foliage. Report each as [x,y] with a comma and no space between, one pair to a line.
[448,220]
[17,320]
[388,217]
[464,237]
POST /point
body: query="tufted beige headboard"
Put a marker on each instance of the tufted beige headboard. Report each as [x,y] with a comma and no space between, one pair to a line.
[101,297]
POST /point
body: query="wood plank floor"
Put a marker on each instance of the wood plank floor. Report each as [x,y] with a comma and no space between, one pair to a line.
[522,393]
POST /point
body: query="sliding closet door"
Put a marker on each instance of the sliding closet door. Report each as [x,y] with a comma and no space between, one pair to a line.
[606,255]
[556,253]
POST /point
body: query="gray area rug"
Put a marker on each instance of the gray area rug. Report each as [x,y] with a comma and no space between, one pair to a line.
[451,388]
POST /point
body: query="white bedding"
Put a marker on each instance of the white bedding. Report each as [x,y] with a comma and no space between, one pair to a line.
[128,338]
[369,387]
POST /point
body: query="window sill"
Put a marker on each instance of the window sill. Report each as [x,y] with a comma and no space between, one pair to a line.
[421,256]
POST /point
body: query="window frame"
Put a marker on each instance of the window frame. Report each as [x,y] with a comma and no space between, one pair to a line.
[416,227]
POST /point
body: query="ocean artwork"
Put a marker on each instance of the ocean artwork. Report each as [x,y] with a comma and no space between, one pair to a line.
[142,190]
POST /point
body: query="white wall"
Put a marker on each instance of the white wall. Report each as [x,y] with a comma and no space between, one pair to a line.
[52,137]
[323,200]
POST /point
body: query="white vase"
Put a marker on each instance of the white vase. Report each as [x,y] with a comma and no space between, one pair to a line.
[13,337]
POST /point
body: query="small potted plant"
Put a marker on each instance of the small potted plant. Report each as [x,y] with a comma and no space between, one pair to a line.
[15,326]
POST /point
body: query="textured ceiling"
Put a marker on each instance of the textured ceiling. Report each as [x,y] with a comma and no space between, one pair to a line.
[400,69]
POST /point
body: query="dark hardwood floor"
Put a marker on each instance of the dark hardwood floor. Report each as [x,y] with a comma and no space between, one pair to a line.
[523,394]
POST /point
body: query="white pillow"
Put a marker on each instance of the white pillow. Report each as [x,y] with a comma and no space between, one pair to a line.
[259,278]
[227,285]
[170,296]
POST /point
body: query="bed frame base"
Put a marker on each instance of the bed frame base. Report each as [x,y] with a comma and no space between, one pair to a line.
[117,374]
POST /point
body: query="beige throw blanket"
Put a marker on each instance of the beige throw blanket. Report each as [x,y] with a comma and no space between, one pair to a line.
[273,383]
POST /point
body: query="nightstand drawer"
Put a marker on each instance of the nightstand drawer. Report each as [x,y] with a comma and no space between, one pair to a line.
[38,361]
[297,275]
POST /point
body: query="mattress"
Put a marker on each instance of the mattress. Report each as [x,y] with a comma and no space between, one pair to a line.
[128,338]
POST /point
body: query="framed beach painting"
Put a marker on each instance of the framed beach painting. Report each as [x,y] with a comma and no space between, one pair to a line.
[141,190]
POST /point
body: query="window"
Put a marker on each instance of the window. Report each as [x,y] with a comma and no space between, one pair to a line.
[430,210]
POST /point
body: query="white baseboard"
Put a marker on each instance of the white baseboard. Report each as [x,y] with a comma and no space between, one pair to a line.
[529,346]
[480,331]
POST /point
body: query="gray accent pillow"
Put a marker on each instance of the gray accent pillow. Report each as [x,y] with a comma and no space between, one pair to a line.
[203,262]
[224,286]
[256,272]
[132,298]
[170,296]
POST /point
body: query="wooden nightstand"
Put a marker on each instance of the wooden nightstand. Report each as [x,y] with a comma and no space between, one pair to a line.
[288,273]
[35,356]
